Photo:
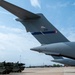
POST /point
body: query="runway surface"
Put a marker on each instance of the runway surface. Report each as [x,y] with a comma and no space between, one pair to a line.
[47,71]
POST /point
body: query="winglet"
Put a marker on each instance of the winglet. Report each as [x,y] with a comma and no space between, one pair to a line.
[17,11]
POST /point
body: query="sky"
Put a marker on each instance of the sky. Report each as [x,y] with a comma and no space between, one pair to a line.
[15,42]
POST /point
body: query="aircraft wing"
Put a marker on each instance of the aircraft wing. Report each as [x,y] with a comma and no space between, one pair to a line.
[17,11]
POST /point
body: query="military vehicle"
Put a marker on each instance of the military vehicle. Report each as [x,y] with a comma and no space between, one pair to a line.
[7,67]
[18,67]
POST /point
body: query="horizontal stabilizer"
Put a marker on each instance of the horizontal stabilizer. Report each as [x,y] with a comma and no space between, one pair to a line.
[17,11]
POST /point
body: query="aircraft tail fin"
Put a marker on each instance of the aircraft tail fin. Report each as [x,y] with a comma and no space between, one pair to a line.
[37,24]
[17,11]
[44,31]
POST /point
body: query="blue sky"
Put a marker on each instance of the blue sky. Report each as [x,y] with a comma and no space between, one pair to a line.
[15,42]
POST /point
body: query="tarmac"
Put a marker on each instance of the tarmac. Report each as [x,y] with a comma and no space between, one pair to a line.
[47,71]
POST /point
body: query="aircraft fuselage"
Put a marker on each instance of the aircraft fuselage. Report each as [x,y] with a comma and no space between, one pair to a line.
[59,49]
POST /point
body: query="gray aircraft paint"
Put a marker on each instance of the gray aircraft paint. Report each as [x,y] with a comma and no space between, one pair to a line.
[66,61]
[59,49]
[62,60]
[57,57]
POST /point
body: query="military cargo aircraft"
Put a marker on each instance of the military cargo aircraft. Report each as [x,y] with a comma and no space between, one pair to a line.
[52,41]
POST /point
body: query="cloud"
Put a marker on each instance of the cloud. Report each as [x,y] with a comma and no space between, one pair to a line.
[14,45]
[15,42]
[6,29]
[35,3]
